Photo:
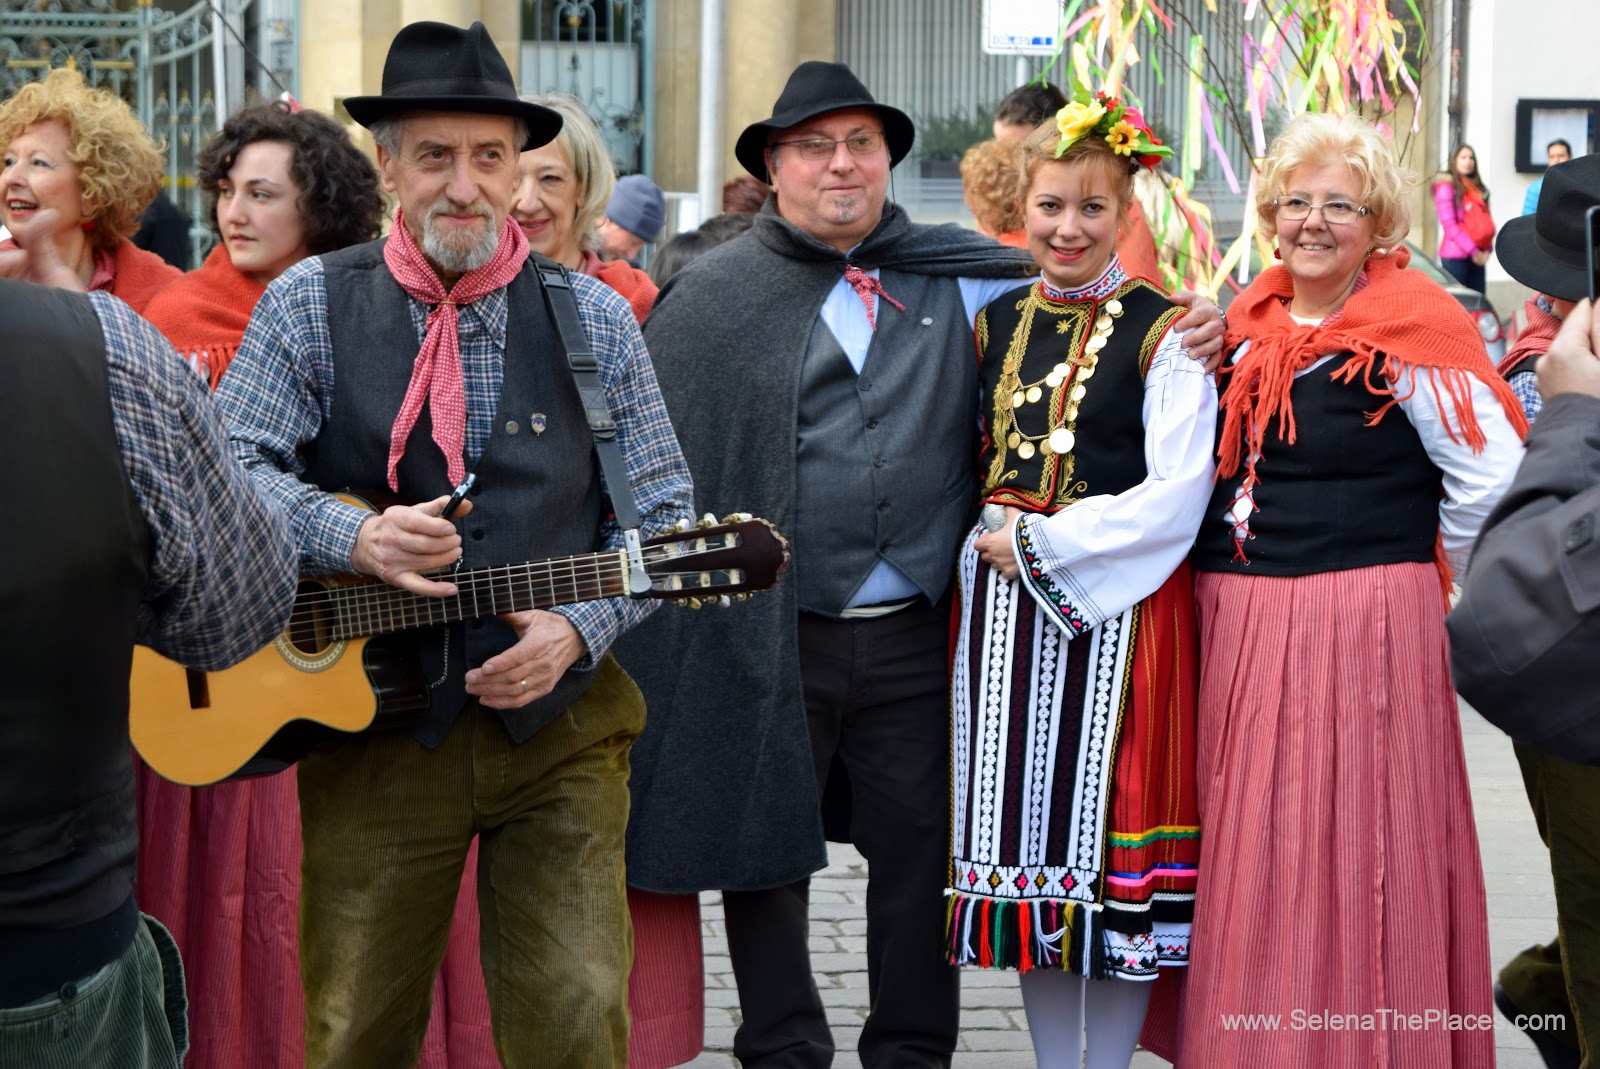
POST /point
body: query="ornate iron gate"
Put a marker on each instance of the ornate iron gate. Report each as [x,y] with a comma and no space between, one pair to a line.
[592,49]
[166,64]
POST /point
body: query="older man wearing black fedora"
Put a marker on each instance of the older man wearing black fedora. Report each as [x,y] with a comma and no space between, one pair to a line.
[821,371]
[1523,632]
[403,365]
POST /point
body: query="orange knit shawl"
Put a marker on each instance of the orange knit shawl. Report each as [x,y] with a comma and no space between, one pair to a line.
[1400,319]
[634,285]
[205,312]
[137,276]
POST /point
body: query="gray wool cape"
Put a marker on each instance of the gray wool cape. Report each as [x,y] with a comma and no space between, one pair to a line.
[724,793]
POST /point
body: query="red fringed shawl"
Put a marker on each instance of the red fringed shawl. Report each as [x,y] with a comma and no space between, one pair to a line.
[205,312]
[1535,339]
[1400,319]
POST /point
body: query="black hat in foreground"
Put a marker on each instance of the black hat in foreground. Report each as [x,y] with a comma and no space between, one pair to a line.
[433,66]
[815,88]
[1545,250]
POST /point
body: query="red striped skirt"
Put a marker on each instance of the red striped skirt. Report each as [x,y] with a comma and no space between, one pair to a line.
[1339,872]
[1074,832]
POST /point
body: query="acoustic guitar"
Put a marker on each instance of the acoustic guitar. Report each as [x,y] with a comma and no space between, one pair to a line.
[325,675]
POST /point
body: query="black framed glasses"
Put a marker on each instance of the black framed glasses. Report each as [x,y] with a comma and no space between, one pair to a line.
[823,148]
[1295,209]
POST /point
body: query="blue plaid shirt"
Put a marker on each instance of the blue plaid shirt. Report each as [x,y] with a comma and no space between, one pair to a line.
[222,575]
[278,393]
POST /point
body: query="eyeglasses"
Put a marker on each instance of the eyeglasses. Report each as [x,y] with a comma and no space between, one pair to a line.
[1295,209]
[823,148]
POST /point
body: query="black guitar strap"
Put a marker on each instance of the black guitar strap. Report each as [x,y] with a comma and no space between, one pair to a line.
[563,306]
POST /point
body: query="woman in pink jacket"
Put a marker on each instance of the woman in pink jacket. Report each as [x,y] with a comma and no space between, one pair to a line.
[1466,229]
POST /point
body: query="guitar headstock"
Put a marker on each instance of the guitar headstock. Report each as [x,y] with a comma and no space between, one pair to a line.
[715,563]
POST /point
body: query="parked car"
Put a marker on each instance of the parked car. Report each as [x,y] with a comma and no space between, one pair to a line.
[1484,317]
[1476,305]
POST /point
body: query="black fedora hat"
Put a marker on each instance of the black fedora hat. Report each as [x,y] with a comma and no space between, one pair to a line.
[1545,250]
[814,88]
[433,66]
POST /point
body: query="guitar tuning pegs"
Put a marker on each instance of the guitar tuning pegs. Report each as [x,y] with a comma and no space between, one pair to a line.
[676,528]
[722,601]
[708,520]
[737,517]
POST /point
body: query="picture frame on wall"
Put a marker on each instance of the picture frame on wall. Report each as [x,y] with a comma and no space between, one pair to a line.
[1540,122]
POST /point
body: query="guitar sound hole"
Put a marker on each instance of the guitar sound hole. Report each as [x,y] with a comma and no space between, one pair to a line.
[311,622]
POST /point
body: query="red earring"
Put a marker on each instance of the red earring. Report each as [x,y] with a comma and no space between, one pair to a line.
[1277,254]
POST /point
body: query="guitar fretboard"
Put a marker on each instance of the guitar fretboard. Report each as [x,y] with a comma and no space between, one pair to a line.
[377,608]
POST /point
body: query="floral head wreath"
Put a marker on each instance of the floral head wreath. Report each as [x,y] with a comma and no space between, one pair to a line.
[1105,116]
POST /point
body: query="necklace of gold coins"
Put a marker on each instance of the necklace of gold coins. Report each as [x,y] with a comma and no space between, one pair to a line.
[1059,436]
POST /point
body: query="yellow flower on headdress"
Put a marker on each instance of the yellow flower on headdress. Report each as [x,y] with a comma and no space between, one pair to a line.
[1122,137]
[1077,119]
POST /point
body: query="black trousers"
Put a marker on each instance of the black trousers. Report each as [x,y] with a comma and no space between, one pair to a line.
[877,705]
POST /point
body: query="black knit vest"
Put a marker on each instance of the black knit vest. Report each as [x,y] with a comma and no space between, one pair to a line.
[79,553]
[1344,495]
[538,489]
[1108,454]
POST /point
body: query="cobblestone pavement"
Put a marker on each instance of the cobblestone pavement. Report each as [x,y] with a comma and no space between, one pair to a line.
[993,1030]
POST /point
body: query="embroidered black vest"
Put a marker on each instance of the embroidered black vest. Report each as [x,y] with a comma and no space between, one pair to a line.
[1023,337]
[538,489]
[1344,495]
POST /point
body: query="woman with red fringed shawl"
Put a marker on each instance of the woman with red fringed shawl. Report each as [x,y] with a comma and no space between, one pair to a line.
[220,865]
[1365,436]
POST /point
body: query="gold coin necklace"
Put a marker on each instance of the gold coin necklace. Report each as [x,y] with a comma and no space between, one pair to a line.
[1060,439]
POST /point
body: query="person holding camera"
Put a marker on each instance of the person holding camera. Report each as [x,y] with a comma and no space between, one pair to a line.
[1524,631]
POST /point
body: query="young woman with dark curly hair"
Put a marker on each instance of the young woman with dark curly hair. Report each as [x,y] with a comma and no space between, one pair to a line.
[220,865]
[80,152]
[281,187]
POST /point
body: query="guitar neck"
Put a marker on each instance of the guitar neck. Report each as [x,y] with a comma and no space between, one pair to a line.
[376,608]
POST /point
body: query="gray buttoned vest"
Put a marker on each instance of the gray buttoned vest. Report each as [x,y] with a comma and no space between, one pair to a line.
[537,494]
[885,459]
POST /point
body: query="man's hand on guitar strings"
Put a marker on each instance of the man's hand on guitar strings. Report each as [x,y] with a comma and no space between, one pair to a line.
[403,541]
[547,645]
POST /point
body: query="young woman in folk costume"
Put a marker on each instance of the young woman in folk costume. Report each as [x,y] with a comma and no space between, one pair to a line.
[1075,836]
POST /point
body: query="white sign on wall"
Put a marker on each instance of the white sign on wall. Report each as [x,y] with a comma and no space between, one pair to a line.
[1021,27]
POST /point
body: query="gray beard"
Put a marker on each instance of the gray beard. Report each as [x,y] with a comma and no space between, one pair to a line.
[454,258]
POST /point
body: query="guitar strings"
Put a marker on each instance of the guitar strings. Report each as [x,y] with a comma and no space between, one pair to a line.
[554,574]
[552,571]
[587,578]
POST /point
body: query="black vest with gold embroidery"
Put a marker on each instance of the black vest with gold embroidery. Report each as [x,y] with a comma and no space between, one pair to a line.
[1063,383]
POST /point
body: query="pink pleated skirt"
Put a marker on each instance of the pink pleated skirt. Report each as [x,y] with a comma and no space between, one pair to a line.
[1340,920]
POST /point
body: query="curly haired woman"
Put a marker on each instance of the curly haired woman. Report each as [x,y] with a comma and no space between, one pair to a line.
[81,152]
[220,865]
